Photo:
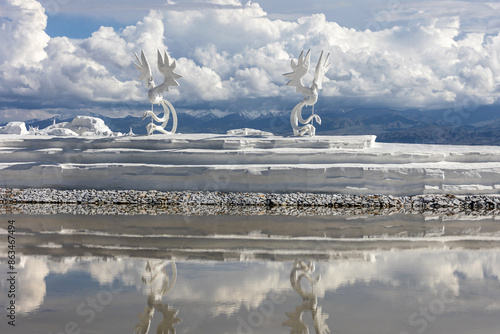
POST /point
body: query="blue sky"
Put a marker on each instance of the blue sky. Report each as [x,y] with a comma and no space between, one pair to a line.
[80,20]
[66,57]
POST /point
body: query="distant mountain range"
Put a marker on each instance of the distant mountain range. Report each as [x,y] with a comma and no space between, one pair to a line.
[480,126]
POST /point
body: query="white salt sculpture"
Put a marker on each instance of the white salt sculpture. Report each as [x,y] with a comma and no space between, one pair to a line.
[155,92]
[14,128]
[310,93]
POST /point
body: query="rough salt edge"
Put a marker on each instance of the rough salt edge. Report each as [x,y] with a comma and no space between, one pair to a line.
[213,210]
[195,198]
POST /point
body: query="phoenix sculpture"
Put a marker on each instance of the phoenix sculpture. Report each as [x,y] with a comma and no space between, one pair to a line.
[310,93]
[155,93]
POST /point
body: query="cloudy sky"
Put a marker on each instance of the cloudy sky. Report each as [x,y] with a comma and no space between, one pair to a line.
[74,57]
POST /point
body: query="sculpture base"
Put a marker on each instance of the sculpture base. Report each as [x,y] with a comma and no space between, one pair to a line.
[257,163]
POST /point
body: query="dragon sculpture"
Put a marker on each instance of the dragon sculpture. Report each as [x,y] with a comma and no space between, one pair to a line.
[310,94]
[155,92]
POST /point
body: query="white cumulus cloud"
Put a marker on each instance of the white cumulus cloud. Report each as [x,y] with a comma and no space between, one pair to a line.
[229,50]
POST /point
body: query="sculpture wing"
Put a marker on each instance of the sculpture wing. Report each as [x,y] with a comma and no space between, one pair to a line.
[321,68]
[167,70]
[143,66]
[299,70]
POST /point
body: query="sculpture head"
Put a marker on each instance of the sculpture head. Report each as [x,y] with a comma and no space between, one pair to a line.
[151,82]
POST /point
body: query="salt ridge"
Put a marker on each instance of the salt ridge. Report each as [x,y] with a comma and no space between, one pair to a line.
[238,163]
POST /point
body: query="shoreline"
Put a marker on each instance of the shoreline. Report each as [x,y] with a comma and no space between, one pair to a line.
[224,210]
[154,198]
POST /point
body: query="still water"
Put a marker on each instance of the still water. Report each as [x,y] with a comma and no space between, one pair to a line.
[398,273]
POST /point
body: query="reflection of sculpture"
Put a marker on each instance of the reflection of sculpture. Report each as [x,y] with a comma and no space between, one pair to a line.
[155,92]
[160,284]
[310,94]
[302,269]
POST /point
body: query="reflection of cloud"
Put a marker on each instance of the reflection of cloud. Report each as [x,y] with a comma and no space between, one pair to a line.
[30,283]
[432,270]
[33,270]
[105,271]
[226,287]
[63,265]
[493,307]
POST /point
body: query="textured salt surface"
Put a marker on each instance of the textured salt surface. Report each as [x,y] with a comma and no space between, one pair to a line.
[300,200]
[238,163]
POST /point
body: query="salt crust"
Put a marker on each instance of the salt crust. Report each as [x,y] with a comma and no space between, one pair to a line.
[245,160]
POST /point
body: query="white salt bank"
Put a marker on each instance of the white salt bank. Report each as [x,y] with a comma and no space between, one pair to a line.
[244,160]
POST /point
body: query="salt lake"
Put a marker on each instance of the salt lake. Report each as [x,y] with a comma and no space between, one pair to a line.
[261,273]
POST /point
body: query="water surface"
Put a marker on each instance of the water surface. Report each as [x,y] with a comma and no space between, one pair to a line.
[254,274]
